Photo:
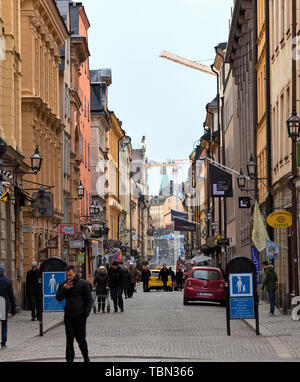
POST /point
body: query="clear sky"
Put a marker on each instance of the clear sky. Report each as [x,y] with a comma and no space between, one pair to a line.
[154,97]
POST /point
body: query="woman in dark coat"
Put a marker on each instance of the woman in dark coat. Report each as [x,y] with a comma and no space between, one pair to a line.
[101,282]
[126,282]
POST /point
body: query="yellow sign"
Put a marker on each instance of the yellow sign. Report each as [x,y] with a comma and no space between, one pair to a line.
[218,237]
[280,219]
[4,195]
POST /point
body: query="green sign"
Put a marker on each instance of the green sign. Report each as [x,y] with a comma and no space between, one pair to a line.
[80,258]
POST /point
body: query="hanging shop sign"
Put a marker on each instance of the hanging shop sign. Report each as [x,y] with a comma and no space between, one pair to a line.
[221,182]
[280,219]
[76,243]
[272,249]
[52,243]
[67,229]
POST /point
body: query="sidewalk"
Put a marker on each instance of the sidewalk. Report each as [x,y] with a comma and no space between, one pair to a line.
[21,328]
[281,331]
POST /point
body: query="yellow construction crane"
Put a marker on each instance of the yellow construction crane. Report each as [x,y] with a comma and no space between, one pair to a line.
[184,61]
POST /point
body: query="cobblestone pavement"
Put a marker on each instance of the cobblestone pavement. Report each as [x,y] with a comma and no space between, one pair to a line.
[155,327]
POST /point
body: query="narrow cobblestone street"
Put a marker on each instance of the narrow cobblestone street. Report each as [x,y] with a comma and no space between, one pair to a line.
[156,327]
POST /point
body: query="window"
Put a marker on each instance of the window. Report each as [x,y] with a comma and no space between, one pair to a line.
[203,274]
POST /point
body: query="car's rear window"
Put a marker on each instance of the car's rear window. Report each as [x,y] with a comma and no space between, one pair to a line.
[155,274]
[206,274]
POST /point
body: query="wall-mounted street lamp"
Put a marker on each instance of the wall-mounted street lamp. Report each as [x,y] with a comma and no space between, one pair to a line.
[94,209]
[241,180]
[36,161]
[80,192]
[293,125]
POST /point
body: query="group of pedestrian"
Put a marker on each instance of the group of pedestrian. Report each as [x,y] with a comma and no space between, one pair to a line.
[164,277]
[117,281]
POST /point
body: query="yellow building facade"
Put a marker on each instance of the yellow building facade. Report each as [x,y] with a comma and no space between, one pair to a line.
[261,145]
[43,34]
[113,207]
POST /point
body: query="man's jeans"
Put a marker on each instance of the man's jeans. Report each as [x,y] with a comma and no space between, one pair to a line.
[271,294]
[4,333]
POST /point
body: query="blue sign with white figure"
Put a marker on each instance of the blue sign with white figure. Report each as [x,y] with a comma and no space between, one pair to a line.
[51,281]
[240,285]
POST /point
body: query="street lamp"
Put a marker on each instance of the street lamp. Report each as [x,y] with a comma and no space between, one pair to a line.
[36,161]
[251,167]
[80,190]
[241,180]
[293,125]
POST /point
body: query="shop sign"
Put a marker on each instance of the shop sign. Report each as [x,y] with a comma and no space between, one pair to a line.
[80,258]
[76,243]
[280,219]
[67,229]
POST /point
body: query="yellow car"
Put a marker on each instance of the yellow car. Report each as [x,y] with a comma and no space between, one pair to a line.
[155,283]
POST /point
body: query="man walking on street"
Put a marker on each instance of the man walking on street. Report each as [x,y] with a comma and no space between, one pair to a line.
[33,291]
[163,275]
[179,279]
[6,291]
[116,281]
[146,274]
[270,282]
[134,276]
[172,274]
[77,293]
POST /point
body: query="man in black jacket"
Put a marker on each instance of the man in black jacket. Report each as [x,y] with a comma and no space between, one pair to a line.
[78,295]
[163,275]
[33,291]
[146,274]
[116,280]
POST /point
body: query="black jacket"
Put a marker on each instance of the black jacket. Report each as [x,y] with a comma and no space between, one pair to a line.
[115,278]
[78,298]
[146,274]
[6,291]
[33,287]
[126,280]
[164,273]
[101,281]
[179,276]
[172,274]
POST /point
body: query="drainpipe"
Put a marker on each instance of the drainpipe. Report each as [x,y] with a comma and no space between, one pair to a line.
[294,238]
[254,88]
[268,118]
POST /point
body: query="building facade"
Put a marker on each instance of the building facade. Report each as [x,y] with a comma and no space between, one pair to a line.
[43,33]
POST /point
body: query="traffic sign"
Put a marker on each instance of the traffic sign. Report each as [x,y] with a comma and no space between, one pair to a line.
[51,281]
[240,285]
[241,290]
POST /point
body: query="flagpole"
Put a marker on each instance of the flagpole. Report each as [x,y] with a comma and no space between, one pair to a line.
[223,166]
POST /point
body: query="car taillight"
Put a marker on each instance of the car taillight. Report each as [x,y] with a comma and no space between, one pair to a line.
[189,283]
[221,284]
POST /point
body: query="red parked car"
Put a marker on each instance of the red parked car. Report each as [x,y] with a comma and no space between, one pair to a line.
[204,284]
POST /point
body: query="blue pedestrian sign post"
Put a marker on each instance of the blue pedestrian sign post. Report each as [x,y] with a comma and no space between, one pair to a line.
[241,290]
[51,281]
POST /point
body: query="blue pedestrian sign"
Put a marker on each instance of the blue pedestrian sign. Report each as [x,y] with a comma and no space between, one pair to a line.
[51,281]
[240,285]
